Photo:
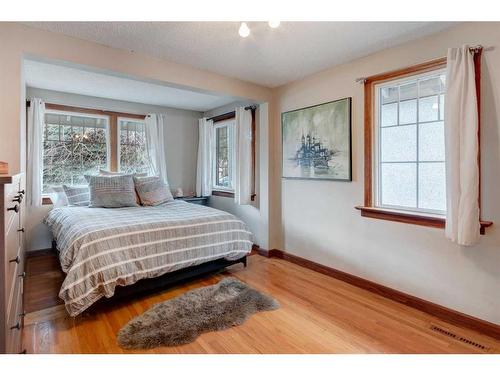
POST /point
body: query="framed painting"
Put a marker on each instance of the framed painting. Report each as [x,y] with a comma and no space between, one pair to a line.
[317,142]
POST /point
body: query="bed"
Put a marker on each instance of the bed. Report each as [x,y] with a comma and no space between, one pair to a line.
[102,248]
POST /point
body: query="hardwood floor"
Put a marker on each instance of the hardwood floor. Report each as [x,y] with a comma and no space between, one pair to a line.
[43,281]
[318,314]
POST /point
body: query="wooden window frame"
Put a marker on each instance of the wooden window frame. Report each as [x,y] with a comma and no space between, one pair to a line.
[220,190]
[229,116]
[368,209]
[112,131]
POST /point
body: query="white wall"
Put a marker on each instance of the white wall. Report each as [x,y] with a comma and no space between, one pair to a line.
[318,220]
[256,215]
[181,143]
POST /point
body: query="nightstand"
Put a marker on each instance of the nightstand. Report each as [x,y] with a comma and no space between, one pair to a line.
[195,200]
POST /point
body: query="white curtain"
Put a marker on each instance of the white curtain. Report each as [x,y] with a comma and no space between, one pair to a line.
[243,152]
[155,142]
[34,178]
[205,157]
[461,147]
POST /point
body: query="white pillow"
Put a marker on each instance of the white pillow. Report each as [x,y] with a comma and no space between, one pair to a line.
[58,196]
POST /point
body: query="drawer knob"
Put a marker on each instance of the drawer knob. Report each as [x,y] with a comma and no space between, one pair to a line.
[22,275]
[21,192]
[22,315]
[15,208]
[15,260]
[21,230]
[17,326]
[18,198]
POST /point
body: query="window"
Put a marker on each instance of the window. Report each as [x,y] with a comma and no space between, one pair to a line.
[74,144]
[223,170]
[404,164]
[79,141]
[133,156]
[409,144]
[404,145]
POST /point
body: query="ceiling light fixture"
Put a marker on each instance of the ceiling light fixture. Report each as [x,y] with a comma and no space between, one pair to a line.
[244,31]
[274,24]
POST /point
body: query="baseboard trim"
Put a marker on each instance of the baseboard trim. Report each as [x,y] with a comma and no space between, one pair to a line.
[266,253]
[441,312]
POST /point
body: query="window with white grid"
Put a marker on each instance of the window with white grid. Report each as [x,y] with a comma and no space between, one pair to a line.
[223,167]
[74,144]
[132,153]
[409,144]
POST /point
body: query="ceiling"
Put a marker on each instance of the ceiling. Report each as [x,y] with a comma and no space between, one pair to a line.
[269,57]
[77,81]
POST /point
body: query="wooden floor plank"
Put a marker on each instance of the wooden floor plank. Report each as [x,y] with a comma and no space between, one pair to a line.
[43,281]
[318,314]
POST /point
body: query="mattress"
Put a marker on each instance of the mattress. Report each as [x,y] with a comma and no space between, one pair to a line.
[101,248]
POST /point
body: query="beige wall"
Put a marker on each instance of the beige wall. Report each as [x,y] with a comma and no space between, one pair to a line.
[319,221]
[181,136]
[316,220]
[19,41]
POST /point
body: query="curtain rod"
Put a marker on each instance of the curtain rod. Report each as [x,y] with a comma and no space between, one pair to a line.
[250,107]
[474,49]
[230,114]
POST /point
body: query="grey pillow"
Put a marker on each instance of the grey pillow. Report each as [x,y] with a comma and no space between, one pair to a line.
[152,191]
[77,195]
[103,172]
[111,191]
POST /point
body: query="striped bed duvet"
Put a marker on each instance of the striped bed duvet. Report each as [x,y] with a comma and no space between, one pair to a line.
[100,248]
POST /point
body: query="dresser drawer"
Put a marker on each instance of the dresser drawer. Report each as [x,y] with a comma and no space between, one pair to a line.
[14,277]
[15,319]
[14,259]
[12,206]
[12,252]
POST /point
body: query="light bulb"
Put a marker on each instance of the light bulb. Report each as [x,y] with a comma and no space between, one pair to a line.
[274,24]
[244,31]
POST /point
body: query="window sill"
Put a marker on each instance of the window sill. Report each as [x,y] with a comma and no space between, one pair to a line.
[46,201]
[222,193]
[409,218]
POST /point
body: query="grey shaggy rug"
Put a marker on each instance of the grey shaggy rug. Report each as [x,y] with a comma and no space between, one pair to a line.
[182,319]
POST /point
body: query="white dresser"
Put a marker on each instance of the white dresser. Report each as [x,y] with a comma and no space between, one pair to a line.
[12,189]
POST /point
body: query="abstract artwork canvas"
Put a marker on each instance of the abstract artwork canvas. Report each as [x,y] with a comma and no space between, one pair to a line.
[317,141]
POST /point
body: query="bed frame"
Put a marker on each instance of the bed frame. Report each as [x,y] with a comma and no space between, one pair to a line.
[172,278]
[169,279]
